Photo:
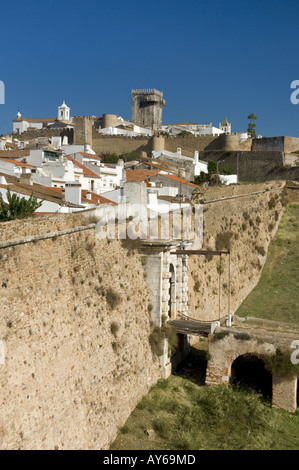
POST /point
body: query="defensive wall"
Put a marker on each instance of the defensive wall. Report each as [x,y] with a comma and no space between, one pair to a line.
[76,317]
[46,132]
[242,219]
[283,143]
[75,325]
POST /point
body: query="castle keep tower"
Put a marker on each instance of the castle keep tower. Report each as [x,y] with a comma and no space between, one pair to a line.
[147,108]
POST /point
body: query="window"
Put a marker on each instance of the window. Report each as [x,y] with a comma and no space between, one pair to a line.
[92,185]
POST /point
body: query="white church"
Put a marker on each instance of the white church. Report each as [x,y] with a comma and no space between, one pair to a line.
[63,120]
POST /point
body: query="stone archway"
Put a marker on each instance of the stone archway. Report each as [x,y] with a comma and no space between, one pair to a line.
[224,353]
[248,371]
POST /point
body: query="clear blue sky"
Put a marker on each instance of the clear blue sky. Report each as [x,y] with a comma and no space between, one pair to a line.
[210,58]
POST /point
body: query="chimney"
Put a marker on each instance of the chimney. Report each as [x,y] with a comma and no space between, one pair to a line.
[72,192]
[196,157]
[179,151]
[88,196]
[26,178]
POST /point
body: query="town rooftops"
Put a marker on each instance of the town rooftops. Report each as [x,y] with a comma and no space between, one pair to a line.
[178,179]
[16,162]
[86,171]
[90,155]
[14,153]
[40,192]
[94,198]
[140,175]
[19,119]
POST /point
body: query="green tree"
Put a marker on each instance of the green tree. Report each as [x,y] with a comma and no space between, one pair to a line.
[16,207]
[251,126]
[184,134]
[202,178]
[212,167]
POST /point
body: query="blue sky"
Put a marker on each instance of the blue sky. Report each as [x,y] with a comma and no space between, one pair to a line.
[210,59]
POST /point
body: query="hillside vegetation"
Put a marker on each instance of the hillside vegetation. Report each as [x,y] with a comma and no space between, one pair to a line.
[182,413]
[178,414]
[276,296]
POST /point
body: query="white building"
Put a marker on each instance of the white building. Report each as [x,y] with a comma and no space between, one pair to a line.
[15,168]
[111,124]
[111,175]
[52,200]
[193,165]
[225,126]
[21,124]
[194,129]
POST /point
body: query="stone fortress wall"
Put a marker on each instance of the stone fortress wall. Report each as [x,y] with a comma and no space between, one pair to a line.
[75,317]
[75,324]
[244,224]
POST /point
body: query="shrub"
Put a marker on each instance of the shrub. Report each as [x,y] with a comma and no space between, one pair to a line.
[242,336]
[272,203]
[280,364]
[156,341]
[227,170]
[223,241]
[16,207]
[261,250]
[114,327]
[212,167]
[112,298]
[220,267]
[157,336]
[220,335]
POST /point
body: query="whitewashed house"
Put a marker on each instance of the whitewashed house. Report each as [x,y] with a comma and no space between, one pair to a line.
[194,129]
[15,168]
[21,124]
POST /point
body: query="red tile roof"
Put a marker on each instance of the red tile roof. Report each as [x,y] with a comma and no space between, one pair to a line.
[95,198]
[179,180]
[35,119]
[86,171]
[16,162]
[140,175]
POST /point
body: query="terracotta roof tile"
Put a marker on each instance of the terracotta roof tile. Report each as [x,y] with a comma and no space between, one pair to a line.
[35,119]
[179,180]
[140,175]
[16,162]
[86,171]
[95,198]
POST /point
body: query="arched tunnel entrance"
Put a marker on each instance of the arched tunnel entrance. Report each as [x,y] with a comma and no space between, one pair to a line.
[248,371]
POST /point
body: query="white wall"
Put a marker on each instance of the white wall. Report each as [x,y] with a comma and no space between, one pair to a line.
[46,206]
[72,149]
[228,179]
[10,168]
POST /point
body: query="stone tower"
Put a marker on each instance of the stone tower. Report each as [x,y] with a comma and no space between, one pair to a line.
[83,130]
[147,108]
